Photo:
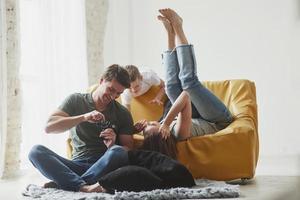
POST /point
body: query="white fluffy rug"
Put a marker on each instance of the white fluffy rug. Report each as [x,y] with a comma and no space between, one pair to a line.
[205,189]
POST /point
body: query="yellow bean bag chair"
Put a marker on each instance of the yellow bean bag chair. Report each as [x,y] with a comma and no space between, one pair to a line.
[229,154]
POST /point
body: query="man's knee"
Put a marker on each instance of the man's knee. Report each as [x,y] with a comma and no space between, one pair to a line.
[36,152]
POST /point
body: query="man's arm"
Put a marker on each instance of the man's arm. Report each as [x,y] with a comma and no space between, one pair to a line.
[126,129]
[61,121]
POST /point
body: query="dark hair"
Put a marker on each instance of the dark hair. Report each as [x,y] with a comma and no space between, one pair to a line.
[155,142]
[133,72]
[117,72]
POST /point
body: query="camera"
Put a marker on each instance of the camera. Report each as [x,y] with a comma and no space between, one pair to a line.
[105,124]
[102,125]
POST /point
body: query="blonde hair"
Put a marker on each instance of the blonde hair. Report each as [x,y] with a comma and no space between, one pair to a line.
[133,72]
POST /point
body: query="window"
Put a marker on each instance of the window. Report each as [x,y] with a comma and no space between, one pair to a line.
[53,65]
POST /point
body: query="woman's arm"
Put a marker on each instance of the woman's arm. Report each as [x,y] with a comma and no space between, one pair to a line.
[182,108]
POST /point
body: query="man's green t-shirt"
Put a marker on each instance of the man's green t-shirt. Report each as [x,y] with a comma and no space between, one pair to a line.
[85,136]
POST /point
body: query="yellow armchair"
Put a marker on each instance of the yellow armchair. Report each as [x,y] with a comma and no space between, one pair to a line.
[229,154]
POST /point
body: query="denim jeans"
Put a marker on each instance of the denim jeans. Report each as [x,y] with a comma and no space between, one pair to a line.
[72,174]
[181,74]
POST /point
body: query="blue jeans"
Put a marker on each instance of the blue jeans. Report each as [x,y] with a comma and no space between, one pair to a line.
[72,174]
[181,74]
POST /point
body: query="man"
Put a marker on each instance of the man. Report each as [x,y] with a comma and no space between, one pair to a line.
[98,124]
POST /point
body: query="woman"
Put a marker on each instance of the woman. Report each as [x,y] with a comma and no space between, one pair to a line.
[195,110]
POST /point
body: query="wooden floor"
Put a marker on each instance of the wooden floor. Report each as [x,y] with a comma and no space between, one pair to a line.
[272,188]
[261,187]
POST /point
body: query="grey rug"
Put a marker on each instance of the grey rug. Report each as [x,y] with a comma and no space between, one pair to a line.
[205,189]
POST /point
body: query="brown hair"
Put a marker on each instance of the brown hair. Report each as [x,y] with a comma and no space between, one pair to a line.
[155,142]
[117,72]
[133,72]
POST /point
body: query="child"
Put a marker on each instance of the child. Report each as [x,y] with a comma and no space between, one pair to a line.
[140,83]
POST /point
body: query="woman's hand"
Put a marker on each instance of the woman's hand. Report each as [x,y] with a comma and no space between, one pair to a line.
[164,131]
[140,125]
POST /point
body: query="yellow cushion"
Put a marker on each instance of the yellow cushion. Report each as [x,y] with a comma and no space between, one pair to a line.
[142,109]
[231,153]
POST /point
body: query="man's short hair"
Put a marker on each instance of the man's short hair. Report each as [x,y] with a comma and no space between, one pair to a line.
[133,72]
[117,72]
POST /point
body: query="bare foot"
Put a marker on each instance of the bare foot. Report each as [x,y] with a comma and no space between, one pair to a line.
[92,188]
[176,22]
[172,16]
[50,184]
[167,24]
[171,33]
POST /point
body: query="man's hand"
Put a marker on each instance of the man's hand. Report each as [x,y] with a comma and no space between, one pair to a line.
[140,125]
[94,116]
[109,137]
[164,131]
[156,101]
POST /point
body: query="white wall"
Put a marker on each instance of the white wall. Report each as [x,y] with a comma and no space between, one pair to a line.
[254,39]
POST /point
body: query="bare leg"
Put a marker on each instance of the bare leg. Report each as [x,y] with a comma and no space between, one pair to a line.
[176,22]
[170,31]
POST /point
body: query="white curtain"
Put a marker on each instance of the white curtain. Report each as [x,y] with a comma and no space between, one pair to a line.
[53,65]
